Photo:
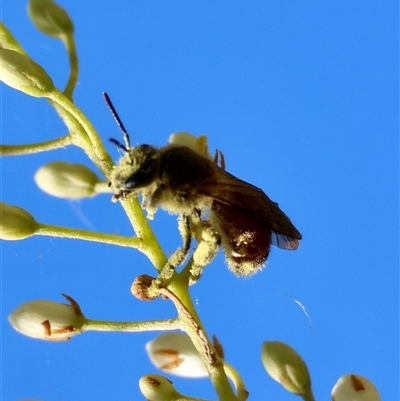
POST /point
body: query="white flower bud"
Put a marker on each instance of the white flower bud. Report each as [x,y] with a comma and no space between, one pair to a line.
[193,142]
[50,18]
[175,353]
[22,73]
[66,180]
[354,388]
[286,366]
[157,388]
[48,320]
[16,223]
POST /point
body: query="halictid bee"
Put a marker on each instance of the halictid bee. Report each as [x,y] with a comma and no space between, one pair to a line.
[183,180]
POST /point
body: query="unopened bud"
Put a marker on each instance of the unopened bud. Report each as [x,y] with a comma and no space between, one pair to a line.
[7,40]
[286,366]
[140,288]
[16,223]
[66,180]
[198,143]
[50,18]
[354,388]
[22,73]
[48,320]
[157,388]
[175,353]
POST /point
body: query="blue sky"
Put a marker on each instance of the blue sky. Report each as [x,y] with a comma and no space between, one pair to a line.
[302,99]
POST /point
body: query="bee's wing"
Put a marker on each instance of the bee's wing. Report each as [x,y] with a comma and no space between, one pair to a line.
[284,242]
[228,189]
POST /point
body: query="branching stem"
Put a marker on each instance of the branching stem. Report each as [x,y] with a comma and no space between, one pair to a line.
[13,150]
[74,233]
[148,325]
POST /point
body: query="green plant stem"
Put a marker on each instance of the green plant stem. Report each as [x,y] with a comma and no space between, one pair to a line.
[102,187]
[149,325]
[241,391]
[185,274]
[150,246]
[179,295]
[78,134]
[182,397]
[309,396]
[69,43]
[74,233]
[12,150]
[103,159]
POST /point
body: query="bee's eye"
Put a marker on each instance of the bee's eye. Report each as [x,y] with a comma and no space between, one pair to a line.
[141,178]
[144,166]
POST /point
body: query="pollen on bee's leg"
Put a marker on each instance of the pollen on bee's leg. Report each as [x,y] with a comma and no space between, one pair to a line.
[175,260]
[186,234]
[205,252]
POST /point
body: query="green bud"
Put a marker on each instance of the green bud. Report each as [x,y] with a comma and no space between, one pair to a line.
[22,73]
[49,18]
[66,180]
[7,40]
[16,223]
[157,388]
[286,366]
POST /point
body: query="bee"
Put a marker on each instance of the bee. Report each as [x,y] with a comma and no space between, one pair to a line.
[181,180]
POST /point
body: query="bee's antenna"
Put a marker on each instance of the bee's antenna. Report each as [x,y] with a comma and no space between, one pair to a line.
[119,144]
[119,123]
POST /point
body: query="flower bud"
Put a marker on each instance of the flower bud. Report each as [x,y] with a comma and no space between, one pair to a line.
[48,320]
[193,142]
[16,223]
[286,366]
[140,288]
[22,73]
[49,18]
[354,388]
[175,353]
[157,388]
[7,40]
[66,180]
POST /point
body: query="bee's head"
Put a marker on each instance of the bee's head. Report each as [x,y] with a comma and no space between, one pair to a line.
[138,168]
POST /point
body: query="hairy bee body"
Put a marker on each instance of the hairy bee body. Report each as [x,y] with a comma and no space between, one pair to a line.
[180,179]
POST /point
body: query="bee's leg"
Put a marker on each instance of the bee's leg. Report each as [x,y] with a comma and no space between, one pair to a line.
[219,159]
[179,256]
[209,242]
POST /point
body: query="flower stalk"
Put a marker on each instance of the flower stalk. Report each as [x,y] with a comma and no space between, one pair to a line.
[131,327]
[75,233]
[14,150]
